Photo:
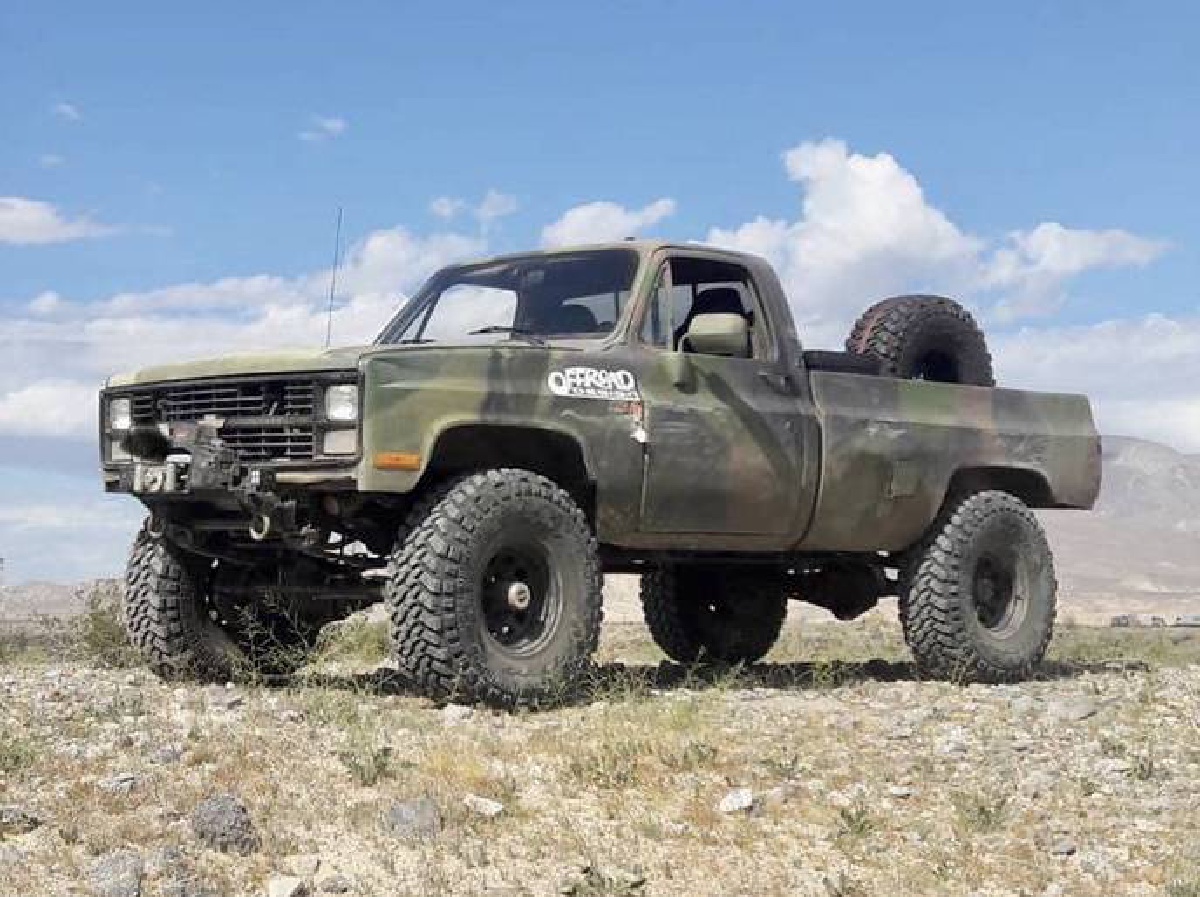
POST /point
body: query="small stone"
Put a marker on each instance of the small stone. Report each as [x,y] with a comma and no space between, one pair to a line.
[1063,848]
[739,800]
[10,856]
[121,783]
[418,819]
[902,733]
[303,864]
[291,715]
[454,714]
[223,823]
[286,886]
[1073,711]
[483,806]
[167,755]
[337,884]
[118,874]
[901,791]
[189,886]
[17,821]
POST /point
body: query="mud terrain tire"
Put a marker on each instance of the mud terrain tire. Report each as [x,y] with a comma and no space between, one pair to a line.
[702,614]
[924,338]
[494,593]
[180,634]
[165,616]
[980,605]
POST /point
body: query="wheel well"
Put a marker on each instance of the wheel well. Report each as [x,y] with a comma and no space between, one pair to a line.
[554,455]
[1028,485]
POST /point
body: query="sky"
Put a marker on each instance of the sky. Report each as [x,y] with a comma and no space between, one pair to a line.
[170,179]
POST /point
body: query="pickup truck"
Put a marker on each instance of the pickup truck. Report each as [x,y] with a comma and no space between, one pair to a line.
[528,423]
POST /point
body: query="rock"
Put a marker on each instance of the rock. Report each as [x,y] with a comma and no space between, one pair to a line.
[189,886]
[17,821]
[739,800]
[483,806]
[286,886]
[900,791]
[337,884]
[118,874]
[453,714]
[167,755]
[303,864]
[1073,710]
[1064,847]
[291,715]
[121,783]
[418,819]
[10,856]
[223,823]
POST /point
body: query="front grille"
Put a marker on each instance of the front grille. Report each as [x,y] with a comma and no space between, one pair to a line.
[264,420]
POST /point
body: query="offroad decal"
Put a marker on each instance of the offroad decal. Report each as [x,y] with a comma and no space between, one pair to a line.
[593,383]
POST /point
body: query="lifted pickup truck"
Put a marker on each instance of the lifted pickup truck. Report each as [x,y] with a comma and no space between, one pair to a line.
[528,423]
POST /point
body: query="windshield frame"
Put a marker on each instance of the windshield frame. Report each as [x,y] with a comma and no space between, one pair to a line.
[435,286]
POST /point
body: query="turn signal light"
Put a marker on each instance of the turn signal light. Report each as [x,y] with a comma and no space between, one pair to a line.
[397,461]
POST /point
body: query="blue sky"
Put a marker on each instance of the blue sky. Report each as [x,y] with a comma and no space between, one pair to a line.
[1036,159]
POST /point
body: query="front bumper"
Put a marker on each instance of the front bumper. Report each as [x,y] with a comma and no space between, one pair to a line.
[192,466]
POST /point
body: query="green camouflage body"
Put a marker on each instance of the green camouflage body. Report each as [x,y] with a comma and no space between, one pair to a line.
[743,455]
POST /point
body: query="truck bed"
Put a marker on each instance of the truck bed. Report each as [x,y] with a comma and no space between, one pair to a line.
[890,447]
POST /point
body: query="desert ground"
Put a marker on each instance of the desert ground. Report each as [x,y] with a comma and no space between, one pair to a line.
[830,769]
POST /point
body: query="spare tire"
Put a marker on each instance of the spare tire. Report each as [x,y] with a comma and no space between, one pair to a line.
[923,338]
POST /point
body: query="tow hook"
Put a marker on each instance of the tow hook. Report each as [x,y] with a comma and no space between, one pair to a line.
[260,527]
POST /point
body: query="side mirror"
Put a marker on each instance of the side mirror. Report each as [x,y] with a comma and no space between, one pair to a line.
[719,334]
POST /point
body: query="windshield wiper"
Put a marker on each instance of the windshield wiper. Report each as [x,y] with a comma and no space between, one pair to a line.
[511,331]
[414,341]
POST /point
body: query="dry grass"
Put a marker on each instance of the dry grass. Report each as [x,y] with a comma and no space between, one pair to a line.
[618,794]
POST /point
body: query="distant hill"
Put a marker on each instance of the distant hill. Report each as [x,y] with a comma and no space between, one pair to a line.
[1150,484]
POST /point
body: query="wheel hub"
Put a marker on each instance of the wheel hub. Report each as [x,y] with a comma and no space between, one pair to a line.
[519,596]
[519,601]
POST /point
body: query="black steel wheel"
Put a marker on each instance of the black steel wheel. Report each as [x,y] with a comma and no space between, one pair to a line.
[981,597]
[495,591]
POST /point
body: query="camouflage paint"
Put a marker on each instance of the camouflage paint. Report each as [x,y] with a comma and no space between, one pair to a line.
[754,455]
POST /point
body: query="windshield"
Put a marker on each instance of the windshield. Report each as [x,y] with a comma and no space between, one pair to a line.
[580,294]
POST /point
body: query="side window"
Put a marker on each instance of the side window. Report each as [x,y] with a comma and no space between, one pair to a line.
[703,286]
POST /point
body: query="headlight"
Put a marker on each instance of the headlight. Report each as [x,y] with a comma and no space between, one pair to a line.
[120,414]
[341,402]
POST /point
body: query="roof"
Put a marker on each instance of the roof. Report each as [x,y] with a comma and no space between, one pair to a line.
[641,247]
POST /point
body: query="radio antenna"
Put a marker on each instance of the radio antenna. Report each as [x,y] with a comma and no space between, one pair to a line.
[337,255]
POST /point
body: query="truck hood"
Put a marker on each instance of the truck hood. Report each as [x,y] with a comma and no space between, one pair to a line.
[284,362]
[300,361]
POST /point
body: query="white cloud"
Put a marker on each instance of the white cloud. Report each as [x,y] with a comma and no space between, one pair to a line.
[57,351]
[447,207]
[66,111]
[495,205]
[27,222]
[597,222]
[322,127]
[1142,374]
[866,230]
[1035,264]
[51,160]
[50,408]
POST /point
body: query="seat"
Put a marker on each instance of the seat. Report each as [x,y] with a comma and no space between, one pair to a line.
[715,300]
[572,319]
